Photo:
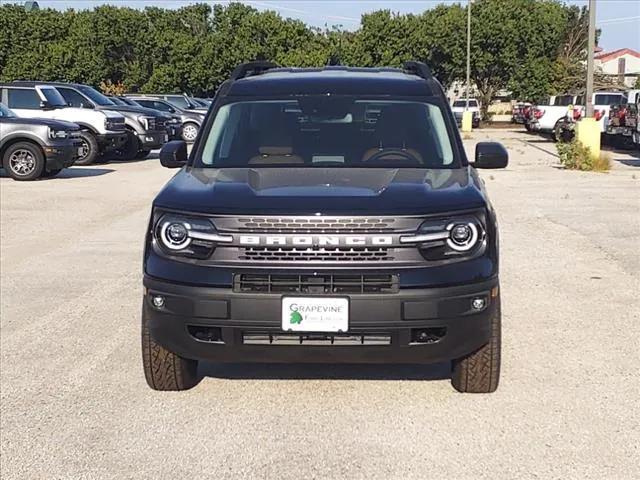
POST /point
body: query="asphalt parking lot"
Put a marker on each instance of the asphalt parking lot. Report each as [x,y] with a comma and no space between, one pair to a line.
[74,403]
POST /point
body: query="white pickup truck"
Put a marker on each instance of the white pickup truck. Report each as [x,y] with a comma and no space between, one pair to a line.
[547,117]
[459,106]
[602,102]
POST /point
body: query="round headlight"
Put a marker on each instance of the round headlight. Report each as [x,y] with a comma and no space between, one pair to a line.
[462,236]
[174,235]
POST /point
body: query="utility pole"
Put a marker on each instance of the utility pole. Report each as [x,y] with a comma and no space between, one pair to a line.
[468,53]
[467,120]
[588,129]
[591,47]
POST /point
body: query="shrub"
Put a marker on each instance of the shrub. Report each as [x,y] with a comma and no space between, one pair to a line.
[576,156]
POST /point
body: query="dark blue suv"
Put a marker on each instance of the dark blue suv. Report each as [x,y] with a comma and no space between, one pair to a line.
[324,215]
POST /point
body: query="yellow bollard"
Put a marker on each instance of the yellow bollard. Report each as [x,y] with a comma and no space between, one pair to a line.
[588,133]
[467,118]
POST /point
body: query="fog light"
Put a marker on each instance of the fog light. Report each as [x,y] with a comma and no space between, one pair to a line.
[478,303]
[158,301]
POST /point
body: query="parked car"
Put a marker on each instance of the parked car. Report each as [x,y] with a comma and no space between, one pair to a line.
[173,123]
[459,106]
[145,128]
[623,119]
[101,131]
[191,120]
[183,102]
[520,112]
[602,102]
[547,118]
[32,148]
[324,215]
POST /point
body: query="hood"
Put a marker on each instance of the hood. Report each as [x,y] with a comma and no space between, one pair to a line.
[299,191]
[56,124]
[149,112]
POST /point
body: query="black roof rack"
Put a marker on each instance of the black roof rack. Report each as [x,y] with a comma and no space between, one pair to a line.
[251,68]
[418,68]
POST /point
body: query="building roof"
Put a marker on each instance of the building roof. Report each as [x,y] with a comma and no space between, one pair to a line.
[608,56]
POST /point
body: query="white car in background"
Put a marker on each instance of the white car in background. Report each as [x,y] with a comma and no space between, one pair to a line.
[459,106]
[101,130]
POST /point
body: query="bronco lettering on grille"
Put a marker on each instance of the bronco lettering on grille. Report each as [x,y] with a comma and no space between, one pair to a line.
[316,240]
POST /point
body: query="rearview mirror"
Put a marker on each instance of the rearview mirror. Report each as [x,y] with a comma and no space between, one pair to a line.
[491,155]
[174,154]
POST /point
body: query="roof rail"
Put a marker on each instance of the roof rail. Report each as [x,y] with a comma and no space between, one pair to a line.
[418,68]
[251,68]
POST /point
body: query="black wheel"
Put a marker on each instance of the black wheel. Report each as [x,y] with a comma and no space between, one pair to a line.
[89,149]
[23,161]
[51,173]
[190,132]
[527,127]
[164,370]
[130,149]
[142,154]
[479,372]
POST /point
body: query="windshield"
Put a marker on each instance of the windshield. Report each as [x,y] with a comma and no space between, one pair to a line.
[318,131]
[95,95]
[6,113]
[117,101]
[463,103]
[53,97]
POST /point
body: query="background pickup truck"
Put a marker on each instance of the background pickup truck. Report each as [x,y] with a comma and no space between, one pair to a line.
[546,118]
[623,118]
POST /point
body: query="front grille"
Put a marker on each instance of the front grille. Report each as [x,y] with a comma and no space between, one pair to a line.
[315,284]
[339,254]
[311,224]
[161,124]
[282,339]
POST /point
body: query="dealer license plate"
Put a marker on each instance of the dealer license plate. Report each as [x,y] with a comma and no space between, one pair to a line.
[315,314]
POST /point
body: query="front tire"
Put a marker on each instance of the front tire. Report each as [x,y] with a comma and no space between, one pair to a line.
[164,370]
[479,372]
[89,149]
[23,161]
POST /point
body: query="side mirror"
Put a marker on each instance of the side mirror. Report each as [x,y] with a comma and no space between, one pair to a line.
[85,105]
[45,105]
[174,154]
[491,155]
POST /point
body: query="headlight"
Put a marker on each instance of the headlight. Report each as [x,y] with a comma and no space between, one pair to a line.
[149,123]
[187,236]
[53,134]
[450,238]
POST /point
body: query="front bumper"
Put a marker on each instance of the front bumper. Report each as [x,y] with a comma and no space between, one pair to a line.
[60,155]
[617,130]
[152,139]
[398,316]
[111,141]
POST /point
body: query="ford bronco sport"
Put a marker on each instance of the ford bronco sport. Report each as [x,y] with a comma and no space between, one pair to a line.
[324,215]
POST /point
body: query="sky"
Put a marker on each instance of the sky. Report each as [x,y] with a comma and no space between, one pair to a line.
[619,20]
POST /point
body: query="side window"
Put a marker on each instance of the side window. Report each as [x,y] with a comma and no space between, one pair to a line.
[178,101]
[162,107]
[25,98]
[73,98]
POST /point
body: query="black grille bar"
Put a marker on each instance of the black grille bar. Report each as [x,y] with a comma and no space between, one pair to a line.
[282,339]
[323,284]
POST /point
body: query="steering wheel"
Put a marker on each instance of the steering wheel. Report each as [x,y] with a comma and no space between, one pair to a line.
[380,156]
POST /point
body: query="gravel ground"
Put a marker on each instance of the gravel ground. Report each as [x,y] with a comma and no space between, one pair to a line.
[74,403]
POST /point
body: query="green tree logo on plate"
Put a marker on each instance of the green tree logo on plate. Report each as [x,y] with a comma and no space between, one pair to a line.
[295,316]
